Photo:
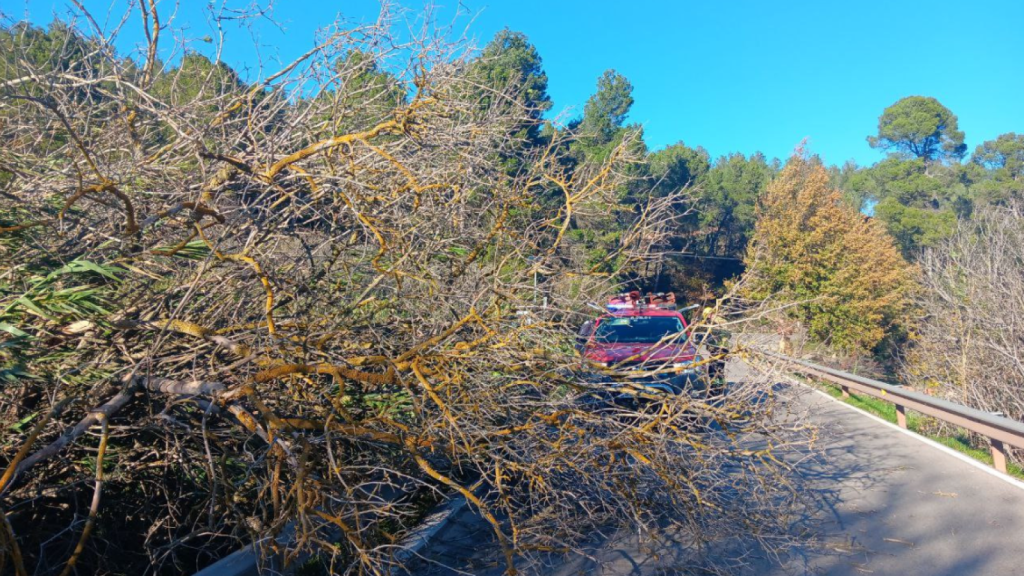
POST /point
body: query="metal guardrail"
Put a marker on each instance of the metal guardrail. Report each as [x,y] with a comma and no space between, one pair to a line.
[1000,431]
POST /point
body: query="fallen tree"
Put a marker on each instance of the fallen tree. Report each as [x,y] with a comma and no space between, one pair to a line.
[313,301]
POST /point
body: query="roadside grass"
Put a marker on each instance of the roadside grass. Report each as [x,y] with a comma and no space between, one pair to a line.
[916,423]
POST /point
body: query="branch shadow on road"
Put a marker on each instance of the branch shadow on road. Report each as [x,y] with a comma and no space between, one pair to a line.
[855,516]
[467,546]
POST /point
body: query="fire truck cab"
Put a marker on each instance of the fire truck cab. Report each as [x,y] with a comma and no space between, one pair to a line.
[643,343]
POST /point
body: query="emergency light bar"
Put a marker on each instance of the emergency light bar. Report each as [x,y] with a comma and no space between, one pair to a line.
[635,301]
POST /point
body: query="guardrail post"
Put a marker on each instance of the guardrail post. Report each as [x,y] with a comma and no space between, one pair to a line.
[846,391]
[998,454]
[901,416]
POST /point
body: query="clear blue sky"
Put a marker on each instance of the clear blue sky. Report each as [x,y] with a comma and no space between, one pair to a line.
[729,76]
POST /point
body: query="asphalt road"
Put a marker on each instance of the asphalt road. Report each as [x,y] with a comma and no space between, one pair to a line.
[904,507]
[889,504]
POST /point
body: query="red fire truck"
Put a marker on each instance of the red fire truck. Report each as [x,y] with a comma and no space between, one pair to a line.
[643,343]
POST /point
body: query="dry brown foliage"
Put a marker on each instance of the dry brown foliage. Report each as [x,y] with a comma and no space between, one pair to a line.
[850,284]
[969,345]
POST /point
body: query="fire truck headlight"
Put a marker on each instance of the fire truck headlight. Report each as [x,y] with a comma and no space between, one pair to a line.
[684,367]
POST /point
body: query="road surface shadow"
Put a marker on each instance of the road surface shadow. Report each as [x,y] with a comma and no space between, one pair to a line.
[467,545]
[873,501]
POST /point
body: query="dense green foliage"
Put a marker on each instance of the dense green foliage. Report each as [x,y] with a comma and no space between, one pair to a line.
[509,73]
[729,195]
[920,127]
[604,115]
[921,189]
[997,169]
[509,64]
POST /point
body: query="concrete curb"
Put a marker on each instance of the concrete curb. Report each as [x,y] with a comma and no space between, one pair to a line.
[243,562]
[246,561]
[427,530]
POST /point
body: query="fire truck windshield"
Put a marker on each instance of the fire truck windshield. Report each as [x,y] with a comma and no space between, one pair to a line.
[639,329]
